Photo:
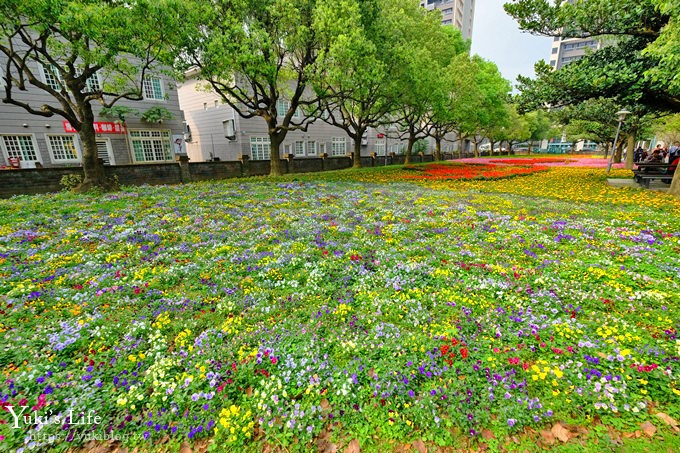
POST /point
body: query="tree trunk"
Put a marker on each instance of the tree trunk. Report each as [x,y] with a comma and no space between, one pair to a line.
[409,148]
[476,149]
[357,151]
[275,140]
[675,184]
[437,148]
[93,170]
[461,144]
[491,143]
[630,152]
[619,152]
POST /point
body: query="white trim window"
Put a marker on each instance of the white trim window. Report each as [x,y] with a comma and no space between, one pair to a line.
[338,146]
[21,146]
[63,148]
[380,147]
[260,148]
[282,107]
[152,89]
[299,148]
[311,148]
[151,145]
[93,84]
[52,78]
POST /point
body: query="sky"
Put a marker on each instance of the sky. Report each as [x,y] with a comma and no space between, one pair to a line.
[496,37]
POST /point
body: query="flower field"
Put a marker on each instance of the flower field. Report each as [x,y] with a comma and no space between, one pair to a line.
[314,310]
[447,171]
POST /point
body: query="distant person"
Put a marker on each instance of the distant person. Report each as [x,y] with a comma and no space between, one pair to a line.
[638,154]
[655,158]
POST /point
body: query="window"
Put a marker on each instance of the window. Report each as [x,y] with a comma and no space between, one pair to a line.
[93,84]
[260,148]
[282,107]
[447,22]
[338,146]
[217,103]
[447,11]
[52,77]
[311,148]
[554,50]
[151,145]
[299,148]
[380,147]
[552,63]
[62,148]
[21,146]
[153,89]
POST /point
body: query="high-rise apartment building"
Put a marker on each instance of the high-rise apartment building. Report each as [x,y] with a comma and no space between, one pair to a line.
[566,50]
[458,13]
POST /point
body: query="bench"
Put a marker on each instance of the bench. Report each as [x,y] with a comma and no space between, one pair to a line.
[648,172]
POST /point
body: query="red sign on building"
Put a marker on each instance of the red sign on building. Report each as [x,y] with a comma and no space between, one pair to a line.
[99,128]
[381,135]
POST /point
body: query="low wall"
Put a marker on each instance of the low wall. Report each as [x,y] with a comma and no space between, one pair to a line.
[45,180]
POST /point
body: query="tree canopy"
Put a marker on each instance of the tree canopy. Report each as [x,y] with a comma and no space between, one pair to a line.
[83,53]
[636,68]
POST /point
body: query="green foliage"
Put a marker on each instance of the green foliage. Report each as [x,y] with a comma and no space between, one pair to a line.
[120,43]
[71,181]
[255,54]
[420,146]
[636,69]
[118,112]
[157,114]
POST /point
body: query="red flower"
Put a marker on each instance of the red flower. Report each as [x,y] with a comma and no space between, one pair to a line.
[444,349]
[464,352]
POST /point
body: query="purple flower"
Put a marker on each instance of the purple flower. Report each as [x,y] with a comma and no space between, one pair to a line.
[511,422]
[147,435]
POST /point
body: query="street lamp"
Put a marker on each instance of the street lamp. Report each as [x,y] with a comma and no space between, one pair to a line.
[621,114]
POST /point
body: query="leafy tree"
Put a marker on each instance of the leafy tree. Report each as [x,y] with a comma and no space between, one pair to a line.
[454,109]
[667,128]
[540,126]
[259,56]
[73,41]
[354,80]
[519,129]
[491,108]
[638,69]
[427,47]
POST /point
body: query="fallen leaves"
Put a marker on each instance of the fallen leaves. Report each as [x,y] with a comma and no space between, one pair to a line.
[648,429]
[670,421]
[560,432]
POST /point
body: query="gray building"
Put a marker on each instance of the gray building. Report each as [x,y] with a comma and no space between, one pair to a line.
[457,13]
[28,140]
[215,131]
[566,50]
